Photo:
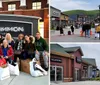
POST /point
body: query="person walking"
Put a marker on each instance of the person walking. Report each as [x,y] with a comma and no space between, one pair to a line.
[87,30]
[61,31]
[98,30]
[72,29]
[83,29]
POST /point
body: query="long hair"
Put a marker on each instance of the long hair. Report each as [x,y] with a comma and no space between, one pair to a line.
[8,34]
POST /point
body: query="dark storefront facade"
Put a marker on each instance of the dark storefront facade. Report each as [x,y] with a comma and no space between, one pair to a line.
[55,17]
[89,65]
[61,69]
[38,8]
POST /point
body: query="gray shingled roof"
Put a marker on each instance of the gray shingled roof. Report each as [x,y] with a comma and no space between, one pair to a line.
[90,61]
[73,49]
[57,48]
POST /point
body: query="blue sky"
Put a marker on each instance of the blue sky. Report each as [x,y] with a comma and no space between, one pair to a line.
[89,50]
[75,4]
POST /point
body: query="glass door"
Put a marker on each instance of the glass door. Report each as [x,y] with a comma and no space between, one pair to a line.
[56,73]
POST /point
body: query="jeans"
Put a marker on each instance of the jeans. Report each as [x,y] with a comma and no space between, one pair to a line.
[87,33]
[45,57]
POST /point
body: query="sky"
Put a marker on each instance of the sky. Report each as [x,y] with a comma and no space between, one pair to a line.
[66,5]
[89,51]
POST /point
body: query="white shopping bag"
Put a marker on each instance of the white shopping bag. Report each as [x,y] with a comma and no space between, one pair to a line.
[14,70]
[4,73]
[97,35]
[34,73]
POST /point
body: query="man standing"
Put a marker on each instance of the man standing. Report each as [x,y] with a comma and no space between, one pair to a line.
[41,50]
[88,28]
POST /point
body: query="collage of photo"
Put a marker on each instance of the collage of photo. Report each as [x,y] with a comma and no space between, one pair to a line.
[49,42]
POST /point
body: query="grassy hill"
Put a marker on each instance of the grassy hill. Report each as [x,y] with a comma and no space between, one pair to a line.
[74,12]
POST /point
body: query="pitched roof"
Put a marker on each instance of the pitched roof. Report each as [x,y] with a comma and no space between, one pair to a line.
[59,50]
[73,49]
[90,61]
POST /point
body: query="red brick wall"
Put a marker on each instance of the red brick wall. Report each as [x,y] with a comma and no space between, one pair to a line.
[77,54]
[5,5]
[28,4]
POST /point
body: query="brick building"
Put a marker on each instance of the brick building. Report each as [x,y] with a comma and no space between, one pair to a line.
[77,52]
[61,64]
[37,8]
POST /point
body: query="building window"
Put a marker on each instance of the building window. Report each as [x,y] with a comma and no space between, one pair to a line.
[11,7]
[36,5]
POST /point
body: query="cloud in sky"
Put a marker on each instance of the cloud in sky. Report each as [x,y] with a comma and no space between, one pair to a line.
[89,51]
[75,4]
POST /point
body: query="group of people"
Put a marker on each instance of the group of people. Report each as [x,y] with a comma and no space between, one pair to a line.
[86,28]
[26,46]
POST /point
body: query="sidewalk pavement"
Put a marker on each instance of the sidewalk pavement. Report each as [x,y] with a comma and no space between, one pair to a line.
[55,36]
[25,79]
[78,83]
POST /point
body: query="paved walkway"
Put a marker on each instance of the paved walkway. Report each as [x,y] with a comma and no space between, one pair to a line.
[55,37]
[25,79]
[79,83]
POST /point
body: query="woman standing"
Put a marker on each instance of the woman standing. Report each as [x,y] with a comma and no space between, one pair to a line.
[9,39]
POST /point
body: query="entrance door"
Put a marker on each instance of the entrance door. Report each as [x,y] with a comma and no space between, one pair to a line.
[56,73]
[77,75]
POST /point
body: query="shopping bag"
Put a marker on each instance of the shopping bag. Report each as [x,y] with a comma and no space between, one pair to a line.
[4,73]
[14,70]
[33,72]
[2,61]
[97,35]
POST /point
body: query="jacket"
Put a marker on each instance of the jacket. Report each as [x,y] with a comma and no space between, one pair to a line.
[98,29]
[41,45]
[10,52]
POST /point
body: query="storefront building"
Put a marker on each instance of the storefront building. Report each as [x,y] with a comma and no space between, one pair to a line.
[91,68]
[55,17]
[38,8]
[61,65]
[64,20]
[77,52]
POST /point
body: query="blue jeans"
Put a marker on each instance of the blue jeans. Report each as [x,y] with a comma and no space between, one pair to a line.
[87,33]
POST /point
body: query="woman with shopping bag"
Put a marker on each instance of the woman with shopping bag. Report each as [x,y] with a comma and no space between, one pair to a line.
[98,30]
[6,51]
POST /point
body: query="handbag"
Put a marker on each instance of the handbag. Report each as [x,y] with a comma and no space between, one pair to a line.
[2,62]
[18,52]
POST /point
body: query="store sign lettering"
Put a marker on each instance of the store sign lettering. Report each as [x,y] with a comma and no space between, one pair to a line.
[12,29]
[56,60]
[78,60]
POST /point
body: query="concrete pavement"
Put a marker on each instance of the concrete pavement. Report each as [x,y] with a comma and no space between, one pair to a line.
[55,37]
[25,79]
[78,83]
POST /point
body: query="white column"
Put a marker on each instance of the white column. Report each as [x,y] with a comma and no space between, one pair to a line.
[22,2]
[0,4]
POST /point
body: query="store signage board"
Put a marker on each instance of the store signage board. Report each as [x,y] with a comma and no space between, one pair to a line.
[58,60]
[15,28]
[78,60]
